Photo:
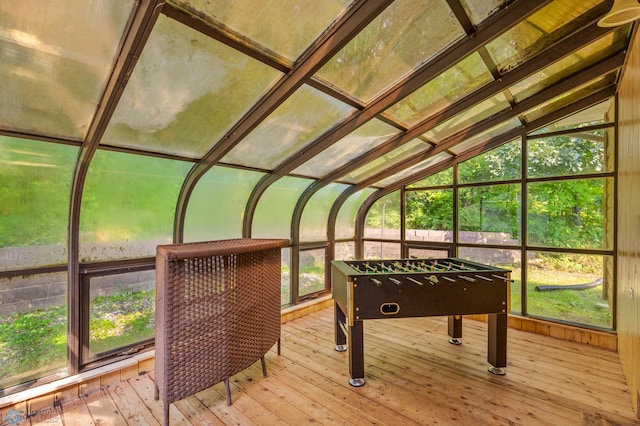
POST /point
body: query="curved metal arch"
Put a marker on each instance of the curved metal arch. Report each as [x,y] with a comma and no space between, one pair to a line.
[143,20]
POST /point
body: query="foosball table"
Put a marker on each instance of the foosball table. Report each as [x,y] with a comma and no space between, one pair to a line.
[377,289]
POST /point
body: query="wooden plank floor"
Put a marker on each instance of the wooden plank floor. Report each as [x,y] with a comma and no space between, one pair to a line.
[413,376]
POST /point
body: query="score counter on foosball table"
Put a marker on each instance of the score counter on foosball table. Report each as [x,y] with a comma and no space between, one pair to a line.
[377,289]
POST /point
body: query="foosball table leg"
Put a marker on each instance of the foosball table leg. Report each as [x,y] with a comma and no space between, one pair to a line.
[356,354]
[497,343]
[340,329]
[454,329]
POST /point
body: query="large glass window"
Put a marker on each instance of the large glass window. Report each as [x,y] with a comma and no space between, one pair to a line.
[272,218]
[34,202]
[346,220]
[128,205]
[570,213]
[313,223]
[33,327]
[501,163]
[429,215]
[383,218]
[121,311]
[573,154]
[568,287]
[489,214]
[313,265]
[217,204]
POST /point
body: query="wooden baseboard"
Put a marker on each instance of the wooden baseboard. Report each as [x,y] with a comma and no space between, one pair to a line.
[596,338]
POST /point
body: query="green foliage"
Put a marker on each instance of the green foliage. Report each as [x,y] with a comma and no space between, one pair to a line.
[390,205]
[501,163]
[429,209]
[32,341]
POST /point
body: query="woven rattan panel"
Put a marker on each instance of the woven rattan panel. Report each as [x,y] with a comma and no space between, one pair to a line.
[217,311]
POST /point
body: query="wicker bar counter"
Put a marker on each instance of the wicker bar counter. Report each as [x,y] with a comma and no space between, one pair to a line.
[217,312]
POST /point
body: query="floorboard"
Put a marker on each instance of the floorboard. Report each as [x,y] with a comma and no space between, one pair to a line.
[413,377]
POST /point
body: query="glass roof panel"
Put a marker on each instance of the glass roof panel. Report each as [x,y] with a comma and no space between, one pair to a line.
[346,218]
[397,41]
[601,113]
[34,202]
[272,218]
[581,59]
[385,161]
[570,97]
[424,164]
[303,117]
[455,83]
[228,189]
[442,178]
[177,99]
[486,136]
[478,11]
[545,27]
[128,205]
[56,59]
[295,27]
[468,117]
[362,140]
[313,223]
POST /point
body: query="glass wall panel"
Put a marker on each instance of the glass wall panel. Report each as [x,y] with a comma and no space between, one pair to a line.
[177,99]
[604,112]
[392,45]
[313,264]
[564,155]
[313,223]
[501,258]
[362,140]
[501,163]
[429,215]
[128,205]
[385,161]
[486,136]
[442,178]
[296,29]
[345,250]
[571,213]
[346,218]
[272,218]
[489,214]
[303,117]
[33,327]
[421,166]
[468,118]
[121,310]
[56,59]
[453,84]
[217,204]
[540,30]
[383,218]
[570,287]
[285,289]
[382,250]
[34,202]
